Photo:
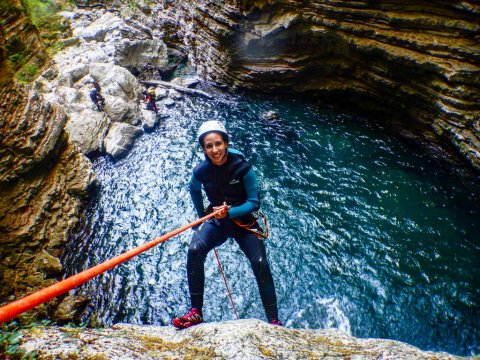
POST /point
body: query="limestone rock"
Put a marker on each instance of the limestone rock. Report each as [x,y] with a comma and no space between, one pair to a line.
[175,95]
[188,82]
[135,54]
[169,102]
[87,130]
[270,115]
[116,81]
[161,93]
[149,119]
[49,264]
[241,339]
[97,30]
[43,182]
[120,139]
[118,110]
[70,308]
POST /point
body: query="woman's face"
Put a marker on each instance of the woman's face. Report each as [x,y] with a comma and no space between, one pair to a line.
[215,148]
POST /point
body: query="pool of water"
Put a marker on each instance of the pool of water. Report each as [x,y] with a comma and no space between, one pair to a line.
[368,234]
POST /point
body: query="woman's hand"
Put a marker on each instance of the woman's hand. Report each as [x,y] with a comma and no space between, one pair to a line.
[224,211]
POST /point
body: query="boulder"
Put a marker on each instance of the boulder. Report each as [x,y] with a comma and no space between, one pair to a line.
[161,93]
[117,81]
[87,130]
[76,71]
[270,115]
[149,119]
[120,139]
[48,264]
[135,54]
[175,95]
[70,308]
[91,33]
[67,95]
[188,82]
[98,29]
[169,103]
[119,110]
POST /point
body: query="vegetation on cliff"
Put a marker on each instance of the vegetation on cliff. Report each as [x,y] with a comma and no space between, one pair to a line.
[23,53]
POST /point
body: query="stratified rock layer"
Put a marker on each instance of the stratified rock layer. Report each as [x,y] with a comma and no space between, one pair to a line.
[417,62]
[43,178]
[242,340]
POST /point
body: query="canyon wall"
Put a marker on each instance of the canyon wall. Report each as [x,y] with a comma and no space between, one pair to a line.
[417,63]
[43,178]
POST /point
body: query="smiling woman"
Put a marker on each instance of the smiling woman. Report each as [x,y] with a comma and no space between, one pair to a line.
[213,138]
[231,186]
[368,234]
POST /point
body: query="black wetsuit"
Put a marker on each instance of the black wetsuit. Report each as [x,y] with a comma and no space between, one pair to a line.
[97,98]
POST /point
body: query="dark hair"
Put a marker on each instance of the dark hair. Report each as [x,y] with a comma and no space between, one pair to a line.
[222,134]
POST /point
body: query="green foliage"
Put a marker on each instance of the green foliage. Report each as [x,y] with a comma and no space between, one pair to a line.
[16,60]
[27,73]
[44,15]
[40,10]
[14,46]
[11,339]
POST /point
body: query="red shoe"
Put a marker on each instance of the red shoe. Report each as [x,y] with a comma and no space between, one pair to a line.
[276,322]
[192,318]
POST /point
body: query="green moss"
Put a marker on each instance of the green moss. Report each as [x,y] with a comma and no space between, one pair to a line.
[265,351]
[11,339]
[41,12]
[16,60]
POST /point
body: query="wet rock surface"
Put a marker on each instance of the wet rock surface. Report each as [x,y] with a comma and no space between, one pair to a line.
[242,339]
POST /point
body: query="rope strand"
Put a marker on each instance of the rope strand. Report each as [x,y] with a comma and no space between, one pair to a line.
[226,284]
[12,310]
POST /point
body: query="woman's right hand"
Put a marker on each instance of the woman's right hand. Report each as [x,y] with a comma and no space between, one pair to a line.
[223,213]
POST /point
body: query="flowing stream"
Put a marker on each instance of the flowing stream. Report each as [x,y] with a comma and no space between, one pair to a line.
[368,234]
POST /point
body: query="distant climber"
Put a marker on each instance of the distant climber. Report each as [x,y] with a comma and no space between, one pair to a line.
[96,96]
[149,99]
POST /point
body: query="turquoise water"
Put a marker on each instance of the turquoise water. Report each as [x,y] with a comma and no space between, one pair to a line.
[368,234]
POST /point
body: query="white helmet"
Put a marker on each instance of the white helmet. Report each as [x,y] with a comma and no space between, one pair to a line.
[211,126]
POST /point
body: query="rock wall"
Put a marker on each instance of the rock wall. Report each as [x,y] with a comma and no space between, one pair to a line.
[414,62]
[50,125]
[43,178]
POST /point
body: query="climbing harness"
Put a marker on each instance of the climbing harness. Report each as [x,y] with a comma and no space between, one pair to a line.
[226,284]
[253,223]
[12,310]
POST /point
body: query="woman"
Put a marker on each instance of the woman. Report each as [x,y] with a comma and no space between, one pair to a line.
[231,186]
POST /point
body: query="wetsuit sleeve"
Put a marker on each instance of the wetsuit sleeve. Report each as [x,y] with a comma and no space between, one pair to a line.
[253,198]
[195,188]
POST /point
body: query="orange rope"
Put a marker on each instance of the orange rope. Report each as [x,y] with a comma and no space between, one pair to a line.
[12,310]
[248,227]
[226,284]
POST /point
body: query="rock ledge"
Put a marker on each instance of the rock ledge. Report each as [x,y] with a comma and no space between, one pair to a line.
[242,339]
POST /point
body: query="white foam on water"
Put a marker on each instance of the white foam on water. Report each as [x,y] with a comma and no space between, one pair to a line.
[336,318]
[326,311]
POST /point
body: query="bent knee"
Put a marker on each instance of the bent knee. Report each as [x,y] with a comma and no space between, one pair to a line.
[197,248]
